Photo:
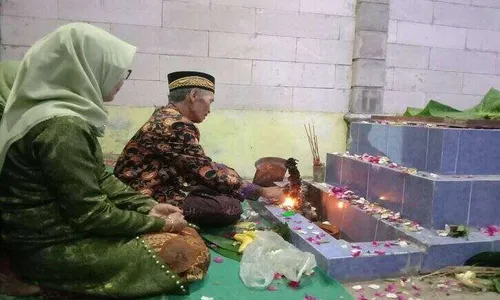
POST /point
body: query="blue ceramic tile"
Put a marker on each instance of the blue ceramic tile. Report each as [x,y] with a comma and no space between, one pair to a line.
[478,152]
[484,203]
[386,231]
[355,175]
[372,139]
[450,203]
[407,145]
[353,137]
[496,246]
[385,186]
[451,141]
[333,169]
[366,268]
[418,197]
[334,214]
[357,225]
[440,256]
[434,150]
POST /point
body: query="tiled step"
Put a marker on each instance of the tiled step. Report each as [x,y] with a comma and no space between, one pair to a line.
[432,200]
[425,252]
[435,150]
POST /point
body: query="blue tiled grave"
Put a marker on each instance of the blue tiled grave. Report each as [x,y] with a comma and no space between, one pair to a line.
[426,250]
[436,150]
[430,199]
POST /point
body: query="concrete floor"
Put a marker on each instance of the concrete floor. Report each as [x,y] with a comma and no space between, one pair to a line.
[429,291]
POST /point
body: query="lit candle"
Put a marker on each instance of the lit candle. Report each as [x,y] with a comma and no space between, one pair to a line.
[340,204]
[289,202]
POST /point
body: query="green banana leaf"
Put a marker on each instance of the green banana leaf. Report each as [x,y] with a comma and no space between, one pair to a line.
[488,108]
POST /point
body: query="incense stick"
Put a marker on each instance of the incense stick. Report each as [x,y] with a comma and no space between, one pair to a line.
[313,142]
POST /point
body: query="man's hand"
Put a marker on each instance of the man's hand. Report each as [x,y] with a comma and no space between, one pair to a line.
[273,194]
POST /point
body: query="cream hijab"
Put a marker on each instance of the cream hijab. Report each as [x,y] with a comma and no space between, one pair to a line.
[66,73]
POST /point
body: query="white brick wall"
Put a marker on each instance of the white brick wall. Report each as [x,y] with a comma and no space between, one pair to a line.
[447,50]
[46,9]
[407,56]
[462,61]
[467,16]
[412,10]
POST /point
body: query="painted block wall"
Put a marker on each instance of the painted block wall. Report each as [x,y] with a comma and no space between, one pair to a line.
[277,63]
[447,50]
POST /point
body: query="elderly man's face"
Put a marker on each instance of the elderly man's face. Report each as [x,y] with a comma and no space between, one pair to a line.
[199,106]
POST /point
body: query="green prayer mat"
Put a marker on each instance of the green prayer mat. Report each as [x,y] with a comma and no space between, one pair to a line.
[488,108]
[223,283]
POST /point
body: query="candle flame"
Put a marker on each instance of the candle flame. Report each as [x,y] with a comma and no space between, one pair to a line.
[340,204]
[289,202]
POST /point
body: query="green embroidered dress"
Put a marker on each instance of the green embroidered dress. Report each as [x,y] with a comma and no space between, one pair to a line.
[72,226]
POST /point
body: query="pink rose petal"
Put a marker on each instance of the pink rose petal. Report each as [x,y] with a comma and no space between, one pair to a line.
[355,247]
[391,288]
[380,252]
[294,284]
[387,245]
[374,243]
[272,288]
[379,294]
[361,297]
[402,297]
[309,297]
[355,253]
[218,259]
[297,228]
[277,276]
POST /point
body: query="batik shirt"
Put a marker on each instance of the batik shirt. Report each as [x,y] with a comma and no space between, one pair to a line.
[164,158]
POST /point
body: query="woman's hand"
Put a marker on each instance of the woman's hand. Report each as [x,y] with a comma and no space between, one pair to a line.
[175,222]
[163,210]
[273,194]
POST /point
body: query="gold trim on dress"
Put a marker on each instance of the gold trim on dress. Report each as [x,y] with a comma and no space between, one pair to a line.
[191,81]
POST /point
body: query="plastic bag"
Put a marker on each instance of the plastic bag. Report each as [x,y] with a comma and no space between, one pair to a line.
[268,254]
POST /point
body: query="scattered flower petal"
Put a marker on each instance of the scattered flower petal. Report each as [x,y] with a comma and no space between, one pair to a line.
[355,247]
[374,286]
[357,288]
[375,243]
[277,276]
[218,259]
[310,227]
[272,288]
[294,284]
[315,232]
[309,297]
[379,294]
[403,244]
[380,252]
[355,252]
[297,228]
[361,297]
[391,288]
[206,298]
[415,287]
[392,296]
[302,231]
[387,245]
[402,297]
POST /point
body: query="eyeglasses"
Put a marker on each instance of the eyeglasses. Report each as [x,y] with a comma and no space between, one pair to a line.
[128,74]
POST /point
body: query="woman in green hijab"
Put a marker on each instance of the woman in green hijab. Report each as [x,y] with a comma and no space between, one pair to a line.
[8,71]
[68,225]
